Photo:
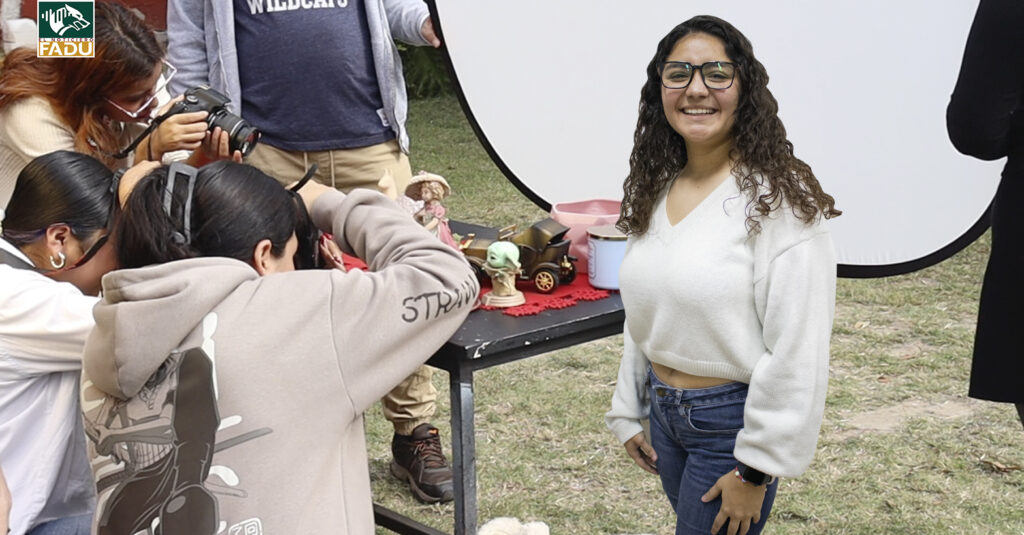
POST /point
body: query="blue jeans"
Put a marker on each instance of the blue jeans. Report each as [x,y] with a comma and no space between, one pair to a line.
[693,431]
[72,525]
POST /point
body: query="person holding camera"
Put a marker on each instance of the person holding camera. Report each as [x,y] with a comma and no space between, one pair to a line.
[323,81]
[223,389]
[96,106]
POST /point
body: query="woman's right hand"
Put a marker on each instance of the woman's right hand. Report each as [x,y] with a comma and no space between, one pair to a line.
[181,131]
[642,453]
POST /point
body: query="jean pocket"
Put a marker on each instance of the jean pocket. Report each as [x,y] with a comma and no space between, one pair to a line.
[724,417]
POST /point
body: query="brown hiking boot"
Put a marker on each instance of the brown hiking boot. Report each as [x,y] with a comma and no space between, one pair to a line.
[419,460]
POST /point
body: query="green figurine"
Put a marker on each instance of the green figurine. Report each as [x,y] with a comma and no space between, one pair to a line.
[503,267]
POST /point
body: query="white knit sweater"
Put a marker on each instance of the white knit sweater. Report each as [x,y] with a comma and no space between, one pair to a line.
[707,298]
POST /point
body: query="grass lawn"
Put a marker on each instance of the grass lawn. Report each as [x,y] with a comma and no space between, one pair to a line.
[902,449]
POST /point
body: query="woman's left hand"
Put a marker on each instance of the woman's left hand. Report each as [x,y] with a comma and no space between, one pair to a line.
[428,33]
[741,503]
[331,253]
[215,146]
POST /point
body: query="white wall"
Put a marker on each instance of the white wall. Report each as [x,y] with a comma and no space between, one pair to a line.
[862,89]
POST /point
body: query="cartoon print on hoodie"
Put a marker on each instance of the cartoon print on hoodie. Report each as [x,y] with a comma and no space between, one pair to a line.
[157,448]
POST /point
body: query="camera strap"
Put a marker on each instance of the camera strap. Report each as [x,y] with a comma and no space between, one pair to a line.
[153,124]
[15,262]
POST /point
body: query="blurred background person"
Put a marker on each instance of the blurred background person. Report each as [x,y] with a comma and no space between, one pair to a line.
[984,119]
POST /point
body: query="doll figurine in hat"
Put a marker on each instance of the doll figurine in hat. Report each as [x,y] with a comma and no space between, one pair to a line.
[432,189]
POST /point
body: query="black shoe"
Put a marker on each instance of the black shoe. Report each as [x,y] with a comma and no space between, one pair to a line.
[419,460]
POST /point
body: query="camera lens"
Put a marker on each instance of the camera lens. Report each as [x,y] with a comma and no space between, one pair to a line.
[242,135]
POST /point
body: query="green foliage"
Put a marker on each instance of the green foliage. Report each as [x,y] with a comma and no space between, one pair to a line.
[425,73]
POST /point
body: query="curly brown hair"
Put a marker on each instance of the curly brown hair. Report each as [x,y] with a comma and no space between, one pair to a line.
[126,52]
[760,148]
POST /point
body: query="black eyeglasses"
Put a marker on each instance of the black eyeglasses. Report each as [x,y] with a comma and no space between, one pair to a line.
[102,240]
[716,74]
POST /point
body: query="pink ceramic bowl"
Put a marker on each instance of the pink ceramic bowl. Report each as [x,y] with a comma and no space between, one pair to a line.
[581,215]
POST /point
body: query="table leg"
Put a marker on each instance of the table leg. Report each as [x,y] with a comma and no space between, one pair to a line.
[463,451]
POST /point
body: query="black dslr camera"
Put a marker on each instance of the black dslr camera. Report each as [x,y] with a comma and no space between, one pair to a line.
[242,135]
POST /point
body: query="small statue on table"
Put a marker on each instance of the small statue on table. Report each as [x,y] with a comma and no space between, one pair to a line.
[431,189]
[503,267]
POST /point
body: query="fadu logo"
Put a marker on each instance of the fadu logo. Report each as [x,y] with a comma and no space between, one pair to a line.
[66,29]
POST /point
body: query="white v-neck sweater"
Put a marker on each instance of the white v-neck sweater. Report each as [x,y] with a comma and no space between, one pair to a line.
[707,298]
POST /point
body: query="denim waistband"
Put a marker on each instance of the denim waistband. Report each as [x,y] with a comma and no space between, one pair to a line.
[711,394]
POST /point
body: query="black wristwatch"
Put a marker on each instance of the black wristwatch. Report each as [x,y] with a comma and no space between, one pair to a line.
[752,475]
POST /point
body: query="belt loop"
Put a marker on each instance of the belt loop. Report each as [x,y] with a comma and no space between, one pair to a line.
[331,155]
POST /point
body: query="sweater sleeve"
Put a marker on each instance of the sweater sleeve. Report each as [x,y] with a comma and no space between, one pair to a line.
[45,324]
[186,45]
[32,129]
[405,20]
[630,404]
[990,85]
[795,299]
[415,294]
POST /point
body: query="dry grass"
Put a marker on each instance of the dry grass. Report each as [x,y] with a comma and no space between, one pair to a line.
[902,449]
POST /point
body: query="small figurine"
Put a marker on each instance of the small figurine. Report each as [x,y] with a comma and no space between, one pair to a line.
[431,189]
[503,267]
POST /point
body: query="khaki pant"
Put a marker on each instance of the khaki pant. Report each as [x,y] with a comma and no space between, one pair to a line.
[413,401]
[342,169]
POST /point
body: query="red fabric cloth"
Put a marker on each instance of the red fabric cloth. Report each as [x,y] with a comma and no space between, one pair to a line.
[566,295]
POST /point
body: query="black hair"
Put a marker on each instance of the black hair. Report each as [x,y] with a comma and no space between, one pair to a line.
[760,146]
[59,187]
[233,207]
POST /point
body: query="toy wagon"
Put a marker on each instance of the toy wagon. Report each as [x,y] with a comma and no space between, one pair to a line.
[543,253]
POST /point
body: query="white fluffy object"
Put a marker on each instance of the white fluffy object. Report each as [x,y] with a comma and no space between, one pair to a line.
[504,525]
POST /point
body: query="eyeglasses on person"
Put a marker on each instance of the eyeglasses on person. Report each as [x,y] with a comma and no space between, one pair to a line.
[166,73]
[716,74]
[115,183]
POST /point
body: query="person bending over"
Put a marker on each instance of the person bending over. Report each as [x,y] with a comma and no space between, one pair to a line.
[224,390]
[55,246]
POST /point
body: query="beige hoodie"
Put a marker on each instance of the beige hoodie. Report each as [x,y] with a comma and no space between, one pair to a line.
[254,424]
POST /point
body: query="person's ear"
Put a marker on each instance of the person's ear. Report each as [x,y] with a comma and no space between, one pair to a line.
[57,237]
[262,258]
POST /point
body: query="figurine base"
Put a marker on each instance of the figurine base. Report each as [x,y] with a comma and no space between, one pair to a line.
[503,301]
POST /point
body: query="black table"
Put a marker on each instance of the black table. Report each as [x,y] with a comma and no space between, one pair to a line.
[489,338]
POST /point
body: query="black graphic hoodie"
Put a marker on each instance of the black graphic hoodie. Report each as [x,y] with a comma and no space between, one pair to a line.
[220,401]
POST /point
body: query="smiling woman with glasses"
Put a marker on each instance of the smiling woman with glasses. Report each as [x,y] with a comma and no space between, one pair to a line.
[728,285]
[53,252]
[95,106]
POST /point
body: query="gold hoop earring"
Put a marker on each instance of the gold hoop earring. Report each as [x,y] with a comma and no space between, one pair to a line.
[63,260]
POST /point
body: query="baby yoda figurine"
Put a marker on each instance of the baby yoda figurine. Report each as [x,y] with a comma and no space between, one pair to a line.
[503,267]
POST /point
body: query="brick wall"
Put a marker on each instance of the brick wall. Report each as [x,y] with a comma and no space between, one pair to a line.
[154,10]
